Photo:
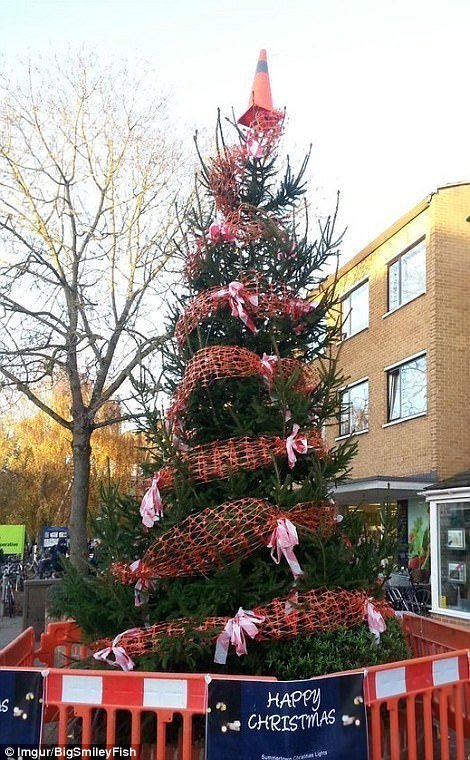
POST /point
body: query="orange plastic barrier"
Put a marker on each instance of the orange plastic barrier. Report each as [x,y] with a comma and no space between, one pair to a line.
[19,651]
[418,709]
[427,636]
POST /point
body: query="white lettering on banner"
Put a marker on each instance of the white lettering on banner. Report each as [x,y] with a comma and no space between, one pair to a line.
[310,698]
[4,705]
[295,698]
[303,722]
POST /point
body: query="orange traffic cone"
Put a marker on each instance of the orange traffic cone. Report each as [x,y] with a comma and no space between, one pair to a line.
[261,98]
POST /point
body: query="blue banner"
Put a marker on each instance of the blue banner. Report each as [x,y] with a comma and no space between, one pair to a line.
[21,708]
[294,720]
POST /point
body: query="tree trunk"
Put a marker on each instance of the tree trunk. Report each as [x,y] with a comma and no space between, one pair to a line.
[81,449]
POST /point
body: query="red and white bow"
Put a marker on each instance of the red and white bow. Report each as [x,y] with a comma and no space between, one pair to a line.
[295,444]
[220,233]
[121,658]
[254,146]
[268,365]
[151,508]
[238,298]
[143,585]
[283,539]
[375,621]
[297,307]
[244,622]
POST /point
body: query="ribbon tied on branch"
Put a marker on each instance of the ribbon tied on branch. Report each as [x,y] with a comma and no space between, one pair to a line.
[121,658]
[295,444]
[151,508]
[375,621]
[244,622]
[282,541]
[239,299]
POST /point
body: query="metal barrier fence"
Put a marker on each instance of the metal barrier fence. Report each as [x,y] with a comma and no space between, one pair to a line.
[418,709]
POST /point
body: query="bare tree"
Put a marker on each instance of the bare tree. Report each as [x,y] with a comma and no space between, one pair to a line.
[88,168]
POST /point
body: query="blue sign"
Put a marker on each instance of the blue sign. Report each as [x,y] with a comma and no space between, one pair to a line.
[21,708]
[53,533]
[279,720]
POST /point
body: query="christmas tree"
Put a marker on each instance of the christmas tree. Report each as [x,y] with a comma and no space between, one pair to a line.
[242,557]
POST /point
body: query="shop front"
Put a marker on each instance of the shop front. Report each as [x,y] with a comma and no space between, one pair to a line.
[449,504]
[404,497]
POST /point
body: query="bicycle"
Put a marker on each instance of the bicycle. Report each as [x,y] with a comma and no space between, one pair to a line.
[8,596]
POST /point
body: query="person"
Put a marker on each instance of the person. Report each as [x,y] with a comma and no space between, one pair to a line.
[51,561]
[58,550]
[44,564]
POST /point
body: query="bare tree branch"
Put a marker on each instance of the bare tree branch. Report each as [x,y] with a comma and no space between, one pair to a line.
[88,175]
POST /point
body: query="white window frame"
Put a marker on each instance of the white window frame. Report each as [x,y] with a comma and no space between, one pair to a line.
[344,390]
[347,311]
[399,260]
[393,368]
[435,501]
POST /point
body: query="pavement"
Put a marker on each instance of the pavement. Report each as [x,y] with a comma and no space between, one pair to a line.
[10,628]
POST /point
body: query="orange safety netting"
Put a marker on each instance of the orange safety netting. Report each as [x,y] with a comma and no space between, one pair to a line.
[218,459]
[227,183]
[273,301]
[217,362]
[231,167]
[217,536]
[315,611]
[266,127]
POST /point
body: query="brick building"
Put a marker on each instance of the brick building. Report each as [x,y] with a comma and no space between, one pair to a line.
[405,311]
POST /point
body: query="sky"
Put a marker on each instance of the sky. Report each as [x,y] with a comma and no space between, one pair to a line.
[380,89]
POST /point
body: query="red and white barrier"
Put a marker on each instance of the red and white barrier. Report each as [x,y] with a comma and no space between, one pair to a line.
[121,691]
[415,675]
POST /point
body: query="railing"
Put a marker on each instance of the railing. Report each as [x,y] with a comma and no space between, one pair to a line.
[426,636]
[418,709]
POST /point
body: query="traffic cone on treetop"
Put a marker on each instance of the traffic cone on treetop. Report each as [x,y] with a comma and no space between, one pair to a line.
[260,98]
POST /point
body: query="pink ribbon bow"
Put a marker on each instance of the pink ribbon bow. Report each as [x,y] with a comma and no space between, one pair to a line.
[295,444]
[375,621]
[253,146]
[121,658]
[142,587]
[244,622]
[220,233]
[238,298]
[268,364]
[151,508]
[296,307]
[283,539]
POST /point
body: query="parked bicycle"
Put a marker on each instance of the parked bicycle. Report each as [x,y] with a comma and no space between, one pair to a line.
[8,594]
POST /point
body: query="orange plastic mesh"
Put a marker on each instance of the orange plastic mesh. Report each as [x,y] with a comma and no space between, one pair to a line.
[315,611]
[231,166]
[273,301]
[266,127]
[218,536]
[227,175]
[218,459]
[217,362]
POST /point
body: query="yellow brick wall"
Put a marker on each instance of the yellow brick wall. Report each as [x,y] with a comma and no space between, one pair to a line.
[449,237]
[404,448]
[437,322]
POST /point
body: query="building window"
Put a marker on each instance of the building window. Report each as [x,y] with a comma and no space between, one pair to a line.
[407,389]
[354,409]
[355,310]
[407,276]
[454,556]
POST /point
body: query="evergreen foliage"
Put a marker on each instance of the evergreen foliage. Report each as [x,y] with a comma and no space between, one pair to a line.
[351,558]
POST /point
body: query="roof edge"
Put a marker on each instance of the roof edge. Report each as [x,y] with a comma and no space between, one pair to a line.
[390,231]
